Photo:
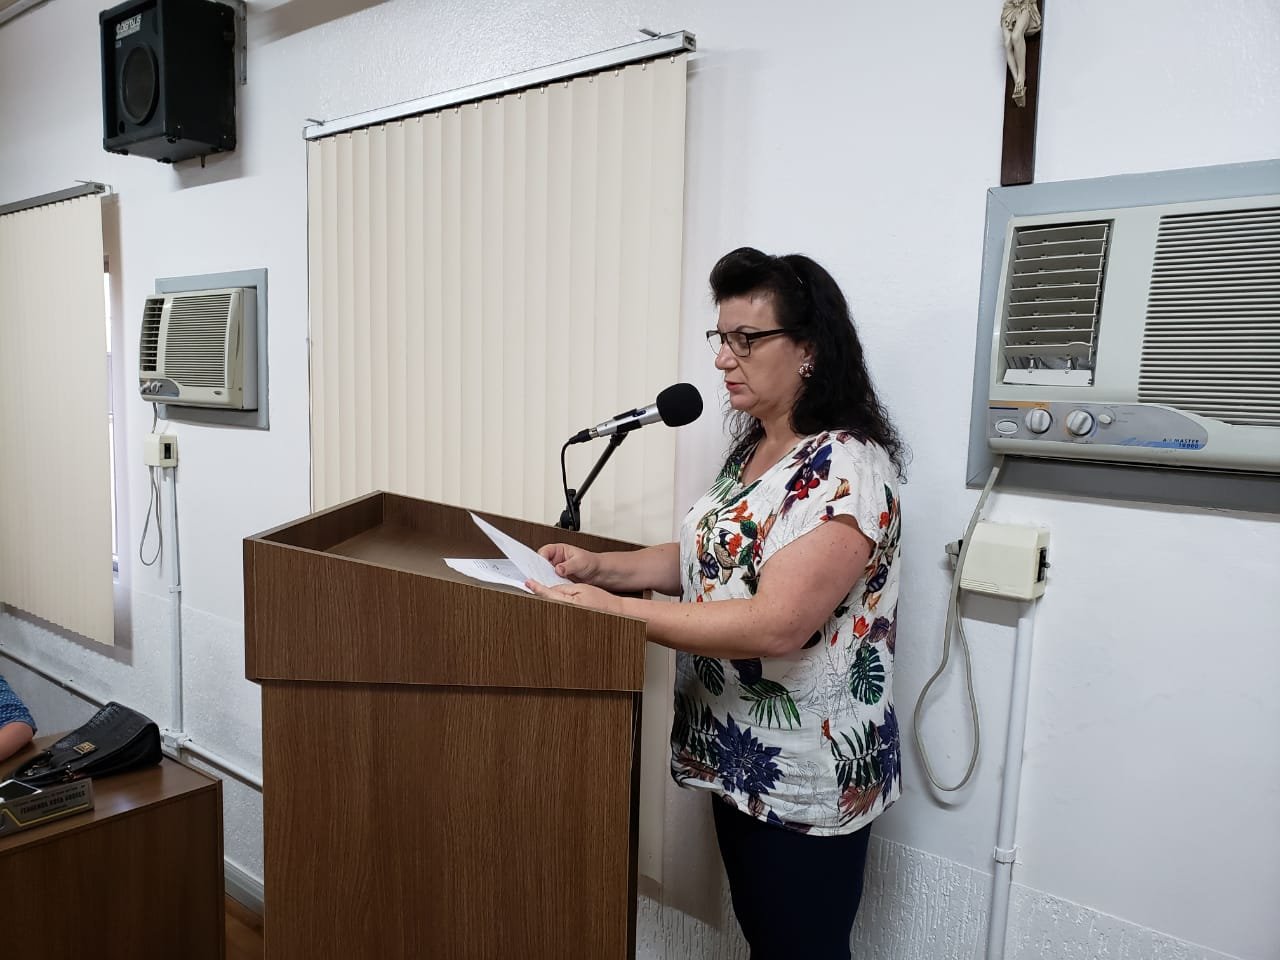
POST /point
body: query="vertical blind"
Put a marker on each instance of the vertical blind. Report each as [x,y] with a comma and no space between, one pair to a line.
[486,280]
[55,481]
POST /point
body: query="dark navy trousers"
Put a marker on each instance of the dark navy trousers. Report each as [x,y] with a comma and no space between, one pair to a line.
[795,896]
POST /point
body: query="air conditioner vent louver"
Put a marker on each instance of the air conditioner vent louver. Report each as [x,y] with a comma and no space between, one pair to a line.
[148,348]
[1050,325]
[195,352]
[1211,344]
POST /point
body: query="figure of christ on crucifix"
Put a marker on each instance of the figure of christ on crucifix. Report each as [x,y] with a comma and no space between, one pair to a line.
[1019,19]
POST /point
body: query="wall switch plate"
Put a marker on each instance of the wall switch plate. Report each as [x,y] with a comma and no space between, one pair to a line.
[160,449]
[1006,560]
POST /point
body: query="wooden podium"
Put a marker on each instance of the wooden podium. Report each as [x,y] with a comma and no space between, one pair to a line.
[451,768]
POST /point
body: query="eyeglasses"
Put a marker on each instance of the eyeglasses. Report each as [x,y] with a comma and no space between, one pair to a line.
[739,341]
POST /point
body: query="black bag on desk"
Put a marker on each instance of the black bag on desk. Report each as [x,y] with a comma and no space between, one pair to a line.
[114,740]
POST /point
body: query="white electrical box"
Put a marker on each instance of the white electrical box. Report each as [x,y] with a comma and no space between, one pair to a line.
[160,450]
[1006,560]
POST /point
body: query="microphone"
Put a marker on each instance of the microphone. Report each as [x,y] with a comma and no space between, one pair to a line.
[677,405]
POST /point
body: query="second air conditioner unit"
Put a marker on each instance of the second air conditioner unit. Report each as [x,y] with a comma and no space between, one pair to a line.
[200,349]
[1146,335]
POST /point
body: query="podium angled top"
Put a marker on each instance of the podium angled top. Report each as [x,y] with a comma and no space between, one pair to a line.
[360,593]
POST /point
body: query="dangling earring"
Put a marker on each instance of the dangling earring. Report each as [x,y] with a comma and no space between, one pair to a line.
[806,369]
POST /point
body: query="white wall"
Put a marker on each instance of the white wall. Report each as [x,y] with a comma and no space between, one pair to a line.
[865,135]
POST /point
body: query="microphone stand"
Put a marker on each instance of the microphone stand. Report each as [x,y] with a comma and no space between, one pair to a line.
[570,517]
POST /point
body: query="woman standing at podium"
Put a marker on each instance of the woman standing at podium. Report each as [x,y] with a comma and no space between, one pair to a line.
[788,567]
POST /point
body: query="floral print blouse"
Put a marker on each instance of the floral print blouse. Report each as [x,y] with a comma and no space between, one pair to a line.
[808,740]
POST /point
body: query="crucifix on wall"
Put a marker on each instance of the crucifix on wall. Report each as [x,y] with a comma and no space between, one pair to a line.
[1020,22]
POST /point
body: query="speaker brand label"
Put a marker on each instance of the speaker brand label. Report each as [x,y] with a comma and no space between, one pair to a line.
[131,25]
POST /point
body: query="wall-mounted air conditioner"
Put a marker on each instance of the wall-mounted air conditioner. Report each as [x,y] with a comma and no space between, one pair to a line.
[1145,335]
[200,349]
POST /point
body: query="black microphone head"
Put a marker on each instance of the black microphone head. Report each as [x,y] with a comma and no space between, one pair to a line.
[679,404]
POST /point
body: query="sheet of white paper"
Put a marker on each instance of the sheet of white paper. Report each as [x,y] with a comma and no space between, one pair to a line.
[531,565]
[490,571]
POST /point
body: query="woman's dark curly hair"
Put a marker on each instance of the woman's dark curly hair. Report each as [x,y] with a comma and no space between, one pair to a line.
[807,301]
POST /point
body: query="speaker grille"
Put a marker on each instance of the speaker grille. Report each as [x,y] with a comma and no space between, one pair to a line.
[139,84]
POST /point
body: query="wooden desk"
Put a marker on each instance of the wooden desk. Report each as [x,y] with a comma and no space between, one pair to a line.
[140,875]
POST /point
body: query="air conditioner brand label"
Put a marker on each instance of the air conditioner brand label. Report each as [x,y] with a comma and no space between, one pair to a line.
[131,25]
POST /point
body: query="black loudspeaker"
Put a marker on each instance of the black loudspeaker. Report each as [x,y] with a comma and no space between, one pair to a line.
[168,78]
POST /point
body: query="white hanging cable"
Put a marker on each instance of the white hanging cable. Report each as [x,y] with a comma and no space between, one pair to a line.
[955,623]
[153,503]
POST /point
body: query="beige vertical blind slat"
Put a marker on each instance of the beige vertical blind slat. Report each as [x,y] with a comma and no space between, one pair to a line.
[315,299]
[362,383]
[491,278]
[512,488]
[416,285]
[456,311]
[556,231]
[380,362]
[397,324]
[55,511]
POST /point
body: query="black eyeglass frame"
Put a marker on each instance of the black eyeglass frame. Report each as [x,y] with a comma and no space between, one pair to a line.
[747,338]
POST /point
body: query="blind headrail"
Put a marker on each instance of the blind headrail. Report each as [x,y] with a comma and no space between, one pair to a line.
[680,41]
[86,188]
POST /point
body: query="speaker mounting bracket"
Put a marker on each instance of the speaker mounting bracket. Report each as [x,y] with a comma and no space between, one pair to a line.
[242,30]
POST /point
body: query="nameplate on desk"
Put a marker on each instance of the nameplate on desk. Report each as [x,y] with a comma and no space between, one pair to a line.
[23,806]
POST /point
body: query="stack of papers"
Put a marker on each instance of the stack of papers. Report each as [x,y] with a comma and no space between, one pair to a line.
[521,563]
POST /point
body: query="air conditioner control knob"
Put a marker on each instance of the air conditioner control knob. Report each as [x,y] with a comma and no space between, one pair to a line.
[1079,423]
[1038,420]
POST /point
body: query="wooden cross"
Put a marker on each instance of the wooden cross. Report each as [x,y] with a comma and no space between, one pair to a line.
[1018,157]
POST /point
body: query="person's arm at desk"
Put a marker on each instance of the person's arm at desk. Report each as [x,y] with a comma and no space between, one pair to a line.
[13,737]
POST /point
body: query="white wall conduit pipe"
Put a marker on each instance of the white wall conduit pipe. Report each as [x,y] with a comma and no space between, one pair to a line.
[176,741]
[175,600]
[1006,832]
